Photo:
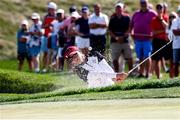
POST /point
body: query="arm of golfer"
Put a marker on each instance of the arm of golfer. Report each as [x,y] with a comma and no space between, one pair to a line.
[116,77]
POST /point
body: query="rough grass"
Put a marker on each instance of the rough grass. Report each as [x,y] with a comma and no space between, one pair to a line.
[67,86]
[50,86]
[15,82]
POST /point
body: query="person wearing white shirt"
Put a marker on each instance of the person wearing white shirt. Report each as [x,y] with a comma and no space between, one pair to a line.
[93,68]
[176,42]
[36,33]
[57,43]
[98,23]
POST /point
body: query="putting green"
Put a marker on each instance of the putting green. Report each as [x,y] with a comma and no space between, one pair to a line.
[136,109]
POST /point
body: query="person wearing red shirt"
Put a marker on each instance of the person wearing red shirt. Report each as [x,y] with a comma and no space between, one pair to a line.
[46,26]
[159,25]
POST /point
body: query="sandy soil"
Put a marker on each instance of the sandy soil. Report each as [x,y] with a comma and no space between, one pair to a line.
[136,109]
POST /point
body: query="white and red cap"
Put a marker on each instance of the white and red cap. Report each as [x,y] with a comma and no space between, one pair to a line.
[119,5]
[71,50]
[52,5]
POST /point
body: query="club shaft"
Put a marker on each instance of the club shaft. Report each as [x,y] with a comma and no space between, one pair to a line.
[149,57]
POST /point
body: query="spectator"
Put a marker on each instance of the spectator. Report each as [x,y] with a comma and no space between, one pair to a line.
[119,28]
[172,16]
[165,10]
[46,25]
[176,42]
[35,41]
[93,69]
[98,23]
[57,41]
[73,8]
[159,25]
[22,51]
[82,31]
[67,26]
[142,34]
[151,6]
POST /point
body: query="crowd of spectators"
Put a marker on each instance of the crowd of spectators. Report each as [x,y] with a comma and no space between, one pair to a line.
[149,27]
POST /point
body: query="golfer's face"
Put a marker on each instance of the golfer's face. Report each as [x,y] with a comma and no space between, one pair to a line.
[75,60]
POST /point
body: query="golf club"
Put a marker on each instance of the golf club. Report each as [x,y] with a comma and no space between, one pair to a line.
[150,56]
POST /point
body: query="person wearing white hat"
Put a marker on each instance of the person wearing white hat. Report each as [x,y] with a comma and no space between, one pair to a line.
[52,5]
[176,43]
[82,31]
[35,40]
[22,51]
[57,42]
[51,15]
[68,27]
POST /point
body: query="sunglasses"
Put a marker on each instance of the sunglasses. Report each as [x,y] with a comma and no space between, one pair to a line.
[170,17]
[159,8]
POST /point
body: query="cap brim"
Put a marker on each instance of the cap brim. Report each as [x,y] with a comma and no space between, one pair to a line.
[71,54]
[34,18]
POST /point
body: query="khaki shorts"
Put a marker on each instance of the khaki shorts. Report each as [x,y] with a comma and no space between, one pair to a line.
[121,49]
[82,42]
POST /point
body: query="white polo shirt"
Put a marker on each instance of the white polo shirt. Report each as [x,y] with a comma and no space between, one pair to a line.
[35,28]
[96,72]
[101,19]
[56,26]
[175,26]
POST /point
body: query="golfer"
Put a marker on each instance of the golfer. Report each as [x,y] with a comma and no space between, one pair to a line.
[93,69]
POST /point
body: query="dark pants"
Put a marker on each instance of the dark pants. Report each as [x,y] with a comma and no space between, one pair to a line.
[165,53]
[98,43]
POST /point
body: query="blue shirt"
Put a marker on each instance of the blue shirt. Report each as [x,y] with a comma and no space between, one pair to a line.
[21,46]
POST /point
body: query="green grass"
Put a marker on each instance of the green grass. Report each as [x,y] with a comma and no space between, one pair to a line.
[29,87]
[173,92]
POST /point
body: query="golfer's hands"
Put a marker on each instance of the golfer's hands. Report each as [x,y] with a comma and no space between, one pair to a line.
[121,76]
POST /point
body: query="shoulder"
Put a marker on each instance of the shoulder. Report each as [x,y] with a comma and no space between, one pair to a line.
[96,54]
[137,12]
[175,22]
[79,20]
[125,16]
[92,15]
[103,15]
[40,22]
[113,16]
[152,12]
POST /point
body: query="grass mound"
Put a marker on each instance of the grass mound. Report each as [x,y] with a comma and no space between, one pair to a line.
[129,85]
[19,82]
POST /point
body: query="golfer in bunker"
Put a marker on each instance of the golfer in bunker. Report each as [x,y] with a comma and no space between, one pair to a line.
[93,69]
